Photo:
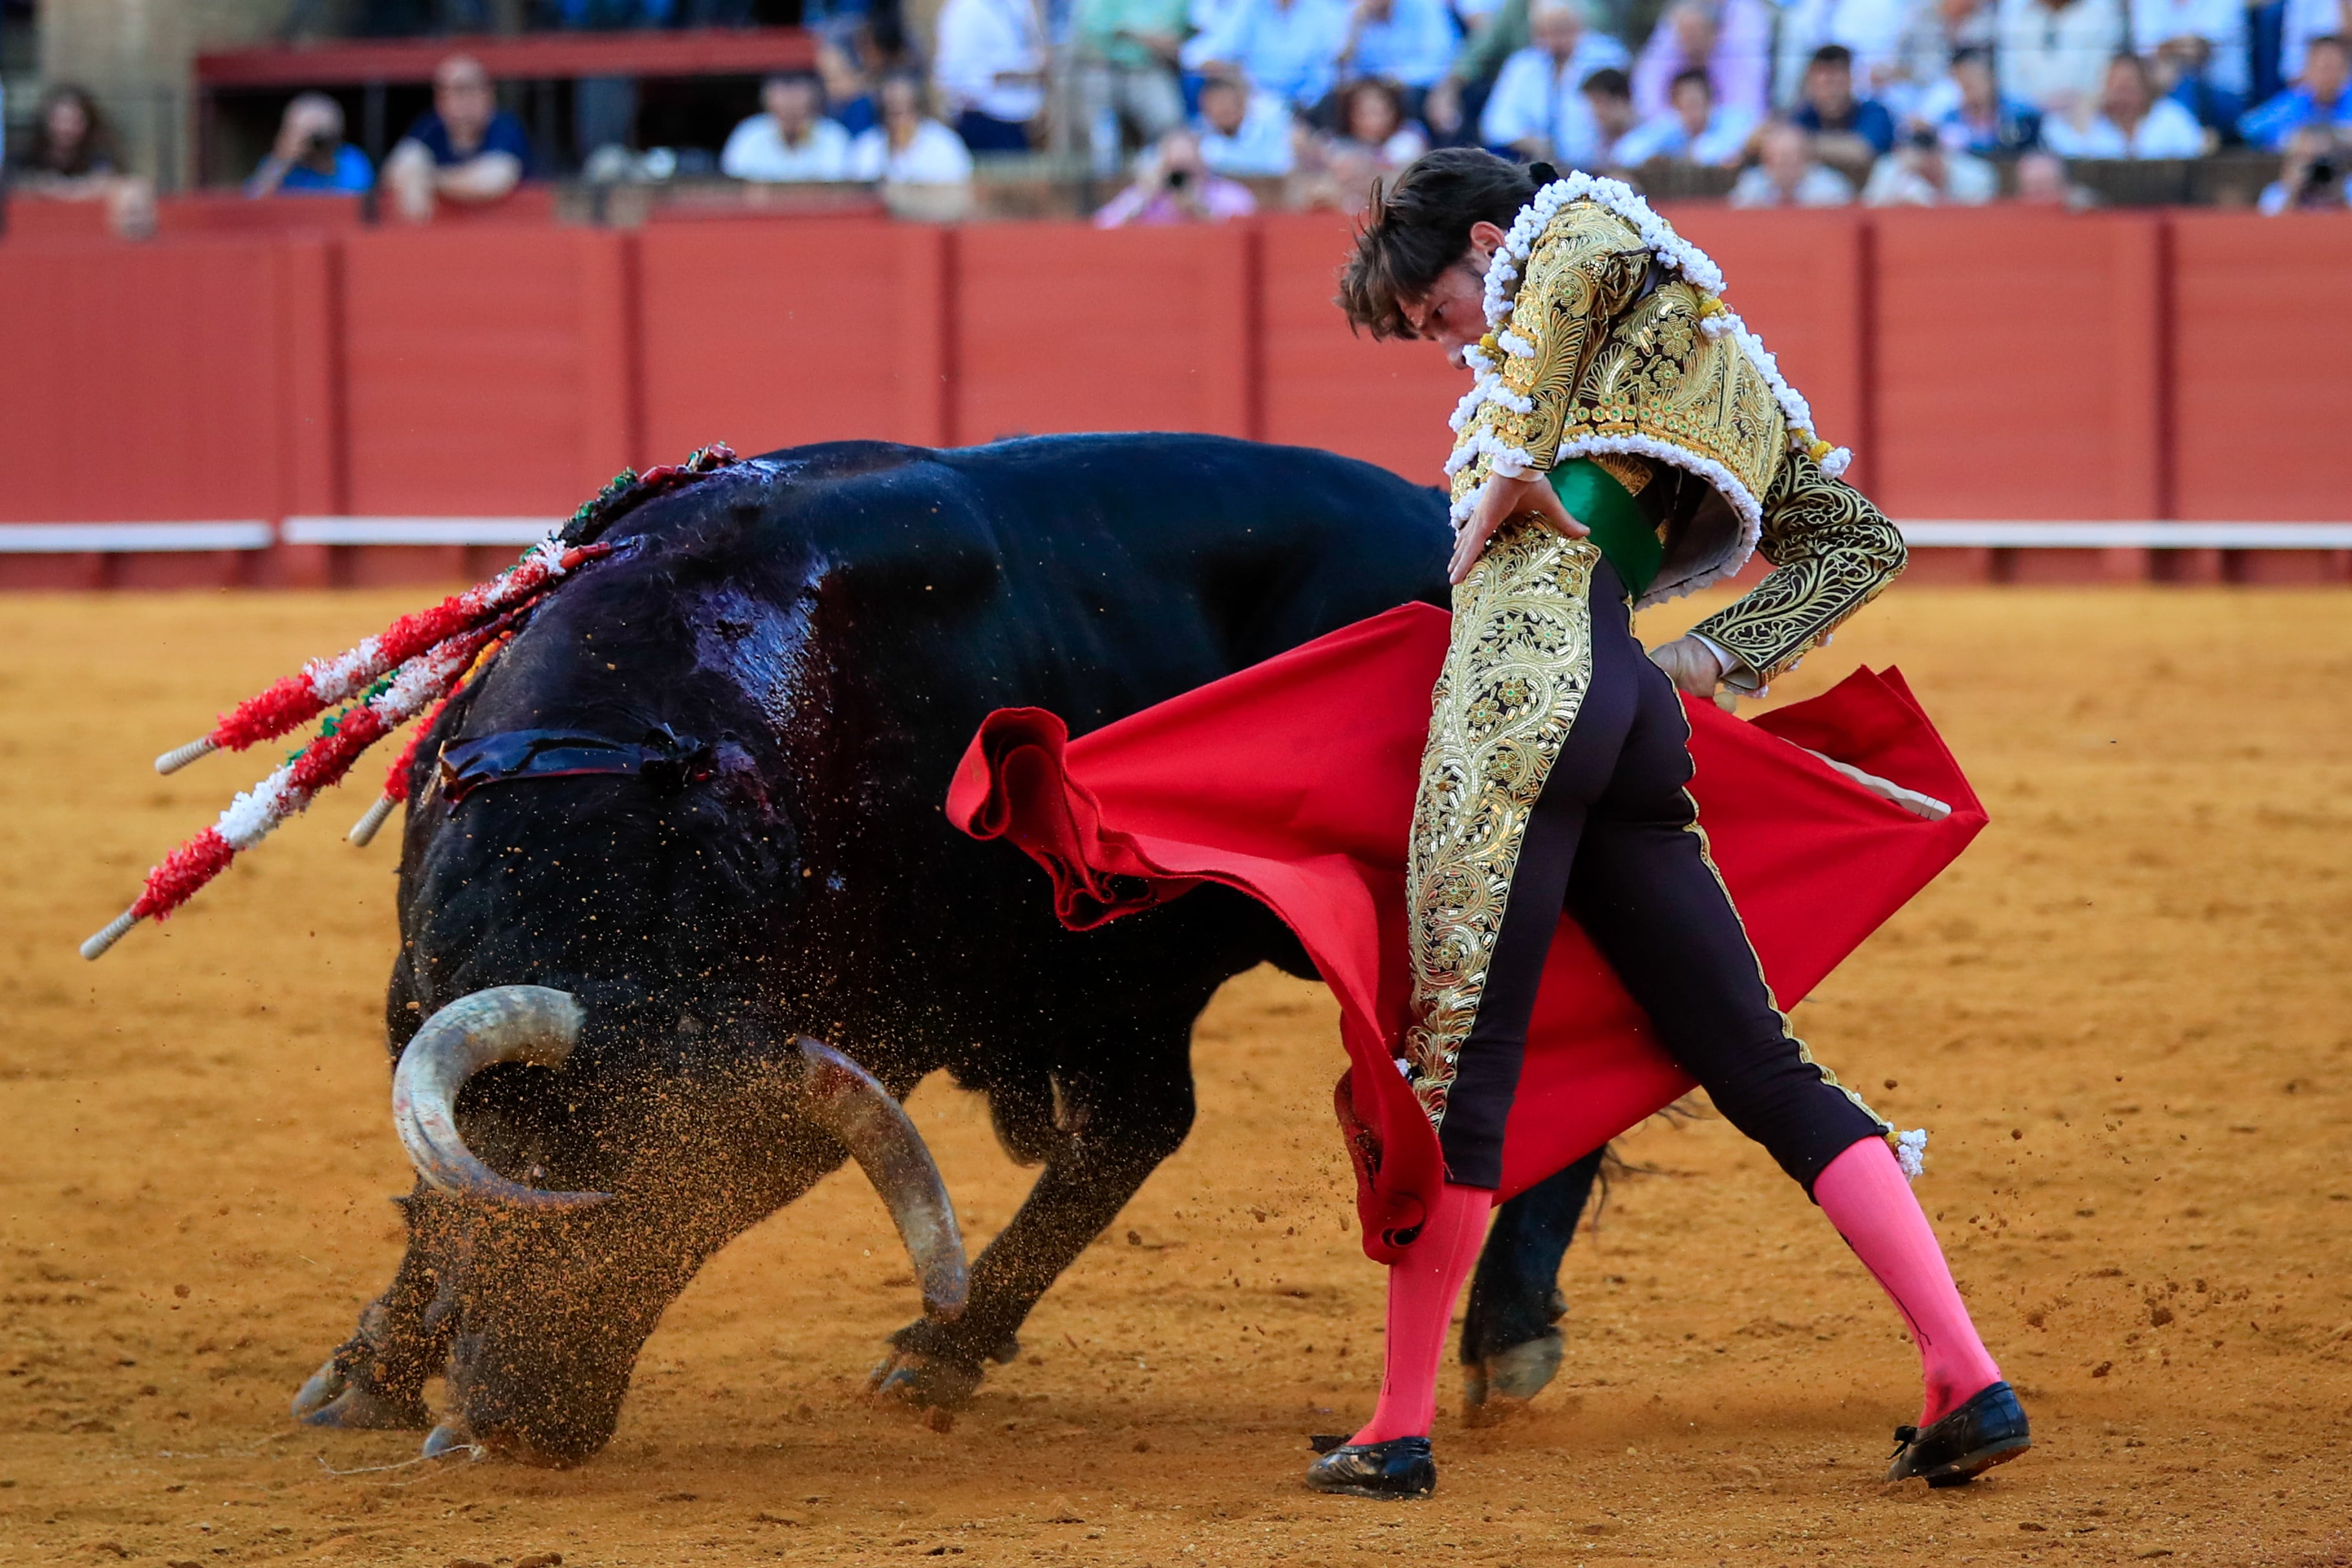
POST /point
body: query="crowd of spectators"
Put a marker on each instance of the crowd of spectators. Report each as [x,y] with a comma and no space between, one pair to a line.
[1795,103]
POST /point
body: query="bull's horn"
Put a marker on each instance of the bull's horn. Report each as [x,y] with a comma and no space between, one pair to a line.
[505,1023]
[846,1102]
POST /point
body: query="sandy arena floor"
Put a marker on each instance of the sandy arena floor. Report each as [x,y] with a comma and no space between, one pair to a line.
[2124,1015]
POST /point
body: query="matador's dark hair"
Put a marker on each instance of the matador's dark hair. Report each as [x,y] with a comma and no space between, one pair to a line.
[1420,225]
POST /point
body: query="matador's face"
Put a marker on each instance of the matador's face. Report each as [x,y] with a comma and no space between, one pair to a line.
[1452,312]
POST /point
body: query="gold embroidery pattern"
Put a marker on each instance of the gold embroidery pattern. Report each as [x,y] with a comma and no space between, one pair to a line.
[1515,677]
[1833,552]
[1660,377]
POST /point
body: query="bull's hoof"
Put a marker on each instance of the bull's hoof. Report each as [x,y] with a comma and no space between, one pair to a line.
[330,1398]
[910,1377]
[448,1438]
[1499,1387]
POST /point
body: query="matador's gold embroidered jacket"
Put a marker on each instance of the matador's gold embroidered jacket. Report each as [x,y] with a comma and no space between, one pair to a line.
[1606,356]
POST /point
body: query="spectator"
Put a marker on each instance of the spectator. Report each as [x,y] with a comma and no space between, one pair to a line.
[1731,40]
[1537,108]
[790,140]
[1410,42]
[2041,182]
[1936,33]
[1869,31]
[2212,31]
[1375,127]
[908,147]
[1493,33]
[1980,121]
[2306,20]
[2184,73]
[1127,52]
[2312,177]
[465,149]
[1697,130]
[1787,174]
[71,158]
[1173,186]
[1288,48]
[1244,133]
[1375,138]
[990,65]
[848,96]
[1923,173]
[1608,95]
[1846,128]
[2131,122]
[310,155]
[2317,97]
[2054,53]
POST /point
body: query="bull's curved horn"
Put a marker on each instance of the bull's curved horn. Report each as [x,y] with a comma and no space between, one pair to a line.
[506,1023]
[845,1100]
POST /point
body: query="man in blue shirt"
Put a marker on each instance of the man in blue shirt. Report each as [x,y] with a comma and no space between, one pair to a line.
[2318,97]
[312,156]
[1844,127]
[1288,48]
[1409,42]
[467,150]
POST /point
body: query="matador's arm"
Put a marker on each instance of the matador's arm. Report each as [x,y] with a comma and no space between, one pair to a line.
[1831,553]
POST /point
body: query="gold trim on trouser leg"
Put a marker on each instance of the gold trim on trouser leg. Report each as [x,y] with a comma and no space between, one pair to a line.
[1516,673]
[1804,1052]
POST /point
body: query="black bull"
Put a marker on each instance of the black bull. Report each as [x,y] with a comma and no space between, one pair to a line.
[788,659]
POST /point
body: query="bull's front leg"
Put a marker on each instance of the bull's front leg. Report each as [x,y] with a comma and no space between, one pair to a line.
[1115,1118]
[375,1379]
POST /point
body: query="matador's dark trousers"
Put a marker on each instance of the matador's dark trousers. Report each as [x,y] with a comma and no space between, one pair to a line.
[1614,839]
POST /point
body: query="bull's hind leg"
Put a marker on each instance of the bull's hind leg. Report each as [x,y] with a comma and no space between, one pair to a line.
[1116,1115]
[375,1379]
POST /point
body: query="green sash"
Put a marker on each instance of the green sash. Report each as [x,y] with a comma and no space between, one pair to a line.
[1628,539]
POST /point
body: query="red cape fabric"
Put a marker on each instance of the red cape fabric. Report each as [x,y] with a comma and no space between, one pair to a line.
[1293,781]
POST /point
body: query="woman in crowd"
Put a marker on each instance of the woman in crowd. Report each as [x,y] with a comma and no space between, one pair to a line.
[71,157]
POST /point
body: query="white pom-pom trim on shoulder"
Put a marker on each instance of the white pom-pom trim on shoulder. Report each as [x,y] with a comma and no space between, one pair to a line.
[1672,251]
[1911,1152]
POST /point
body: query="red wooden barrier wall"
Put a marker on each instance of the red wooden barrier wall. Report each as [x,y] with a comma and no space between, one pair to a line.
[1993,363]
[2262,368]
[767,334]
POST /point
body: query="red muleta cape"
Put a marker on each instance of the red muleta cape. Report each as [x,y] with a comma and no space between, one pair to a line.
[1293,781]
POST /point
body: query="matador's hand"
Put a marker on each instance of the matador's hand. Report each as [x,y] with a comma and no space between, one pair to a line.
[1503,500]
[1691,665]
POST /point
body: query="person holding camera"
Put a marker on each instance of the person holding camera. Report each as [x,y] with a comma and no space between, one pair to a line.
[1174,186]
[2311,178]
[311,158]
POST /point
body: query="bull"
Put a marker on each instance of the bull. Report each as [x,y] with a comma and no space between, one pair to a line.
[681,918]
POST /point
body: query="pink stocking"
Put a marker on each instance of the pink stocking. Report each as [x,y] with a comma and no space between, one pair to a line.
[1864,1195]
[1421,1289]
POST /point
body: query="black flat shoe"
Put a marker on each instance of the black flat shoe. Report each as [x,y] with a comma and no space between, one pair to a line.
[1400,1467]
[1989,1429]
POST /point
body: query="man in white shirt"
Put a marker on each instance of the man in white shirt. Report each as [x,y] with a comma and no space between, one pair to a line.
[791,141]
[1695,130]
[2131,122]
[990,66]
[1537,108]
[2053,54]
[1245,134]
[1787,174]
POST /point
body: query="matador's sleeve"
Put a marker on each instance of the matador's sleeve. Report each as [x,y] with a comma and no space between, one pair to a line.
[1588,266]
[1831,553]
